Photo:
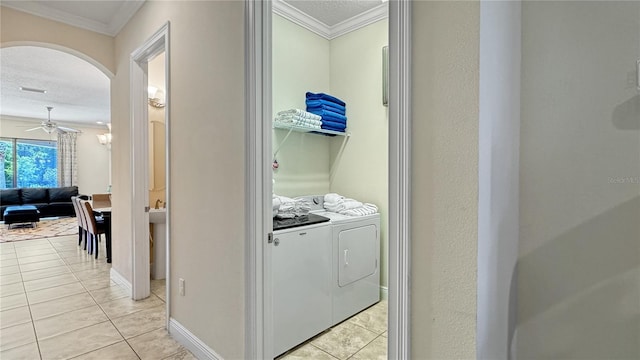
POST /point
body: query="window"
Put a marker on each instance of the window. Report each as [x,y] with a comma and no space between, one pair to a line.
[28,163]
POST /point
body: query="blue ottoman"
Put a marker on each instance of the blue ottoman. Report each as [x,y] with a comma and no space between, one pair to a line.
[21,214]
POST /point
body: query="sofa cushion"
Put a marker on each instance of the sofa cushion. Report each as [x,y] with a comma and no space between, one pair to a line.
[62,194]
[35,196]
[57,209]
[11,197]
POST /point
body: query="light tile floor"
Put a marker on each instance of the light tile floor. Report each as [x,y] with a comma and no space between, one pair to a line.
[58,302]
[361,337]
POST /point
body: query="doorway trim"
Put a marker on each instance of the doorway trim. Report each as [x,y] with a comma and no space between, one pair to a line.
[258,166]
[156,44]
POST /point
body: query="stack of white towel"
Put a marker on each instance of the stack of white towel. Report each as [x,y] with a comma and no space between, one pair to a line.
[299,117]
[339,204]
[286,208]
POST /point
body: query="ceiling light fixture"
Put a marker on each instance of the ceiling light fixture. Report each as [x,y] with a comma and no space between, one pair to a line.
[39,91]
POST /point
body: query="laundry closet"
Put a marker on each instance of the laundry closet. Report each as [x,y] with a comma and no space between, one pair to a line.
[326,272]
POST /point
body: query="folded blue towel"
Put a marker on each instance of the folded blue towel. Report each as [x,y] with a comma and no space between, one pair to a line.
[327,105]
[334,119]
[332,129]
[329,115]
[332,125]
[324,113]
[318,96]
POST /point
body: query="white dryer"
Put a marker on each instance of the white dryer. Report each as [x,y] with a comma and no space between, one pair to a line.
[355,265]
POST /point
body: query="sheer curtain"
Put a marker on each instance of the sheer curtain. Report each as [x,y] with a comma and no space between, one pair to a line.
[67,159]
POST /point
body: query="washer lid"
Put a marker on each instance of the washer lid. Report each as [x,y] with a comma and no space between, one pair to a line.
[310,219]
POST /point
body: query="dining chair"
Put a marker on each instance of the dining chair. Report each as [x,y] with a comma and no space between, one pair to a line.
[83,220]
[80,218]
[95,227]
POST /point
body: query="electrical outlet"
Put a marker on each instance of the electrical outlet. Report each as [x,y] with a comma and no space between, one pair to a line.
[181,286]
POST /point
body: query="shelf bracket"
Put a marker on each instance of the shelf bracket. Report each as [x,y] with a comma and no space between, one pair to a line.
[338,157]
[281,143]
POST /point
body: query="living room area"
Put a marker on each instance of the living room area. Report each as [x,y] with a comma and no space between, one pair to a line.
[56,285]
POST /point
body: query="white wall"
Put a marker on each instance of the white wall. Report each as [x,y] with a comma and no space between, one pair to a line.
[362,169]
[207,157]
[93,158]
[444,225]
[300,64]
[579,265]
[499,169]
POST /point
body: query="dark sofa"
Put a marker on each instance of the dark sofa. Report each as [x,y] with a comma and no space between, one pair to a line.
[49,201]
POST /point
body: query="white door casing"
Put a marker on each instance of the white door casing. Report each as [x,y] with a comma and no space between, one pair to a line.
[155,45]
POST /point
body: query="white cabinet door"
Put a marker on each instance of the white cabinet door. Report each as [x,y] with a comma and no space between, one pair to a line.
[301,268]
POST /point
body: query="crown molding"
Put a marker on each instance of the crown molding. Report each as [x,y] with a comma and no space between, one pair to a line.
[368,17]
[301,18]
[330,32]
[124,14]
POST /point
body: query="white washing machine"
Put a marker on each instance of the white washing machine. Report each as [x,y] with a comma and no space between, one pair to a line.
[356,263]
[301,283]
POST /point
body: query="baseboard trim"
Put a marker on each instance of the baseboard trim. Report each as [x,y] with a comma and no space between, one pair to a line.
[199,349]
[384,293]
[121,280]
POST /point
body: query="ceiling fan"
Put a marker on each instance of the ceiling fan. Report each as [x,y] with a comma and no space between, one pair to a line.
[49,126]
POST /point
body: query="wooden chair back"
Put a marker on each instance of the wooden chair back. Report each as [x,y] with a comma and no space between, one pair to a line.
[89,217]
[101,200]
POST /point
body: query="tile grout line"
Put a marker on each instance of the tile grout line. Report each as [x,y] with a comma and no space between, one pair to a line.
[354,354]
[366,328]
[48,317]
[33,323]
[88,352]
[84,327]
[324,351]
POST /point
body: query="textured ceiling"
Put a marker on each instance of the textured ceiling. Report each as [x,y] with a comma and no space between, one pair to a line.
[332,12]
[78,91]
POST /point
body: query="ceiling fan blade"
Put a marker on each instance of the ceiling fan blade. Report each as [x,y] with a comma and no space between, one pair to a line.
[67,129]
[35,128]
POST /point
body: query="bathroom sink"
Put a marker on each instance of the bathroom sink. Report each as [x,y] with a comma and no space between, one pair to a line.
[157,216]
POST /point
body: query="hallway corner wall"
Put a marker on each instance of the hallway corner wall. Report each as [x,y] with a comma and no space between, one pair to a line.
[499,175]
